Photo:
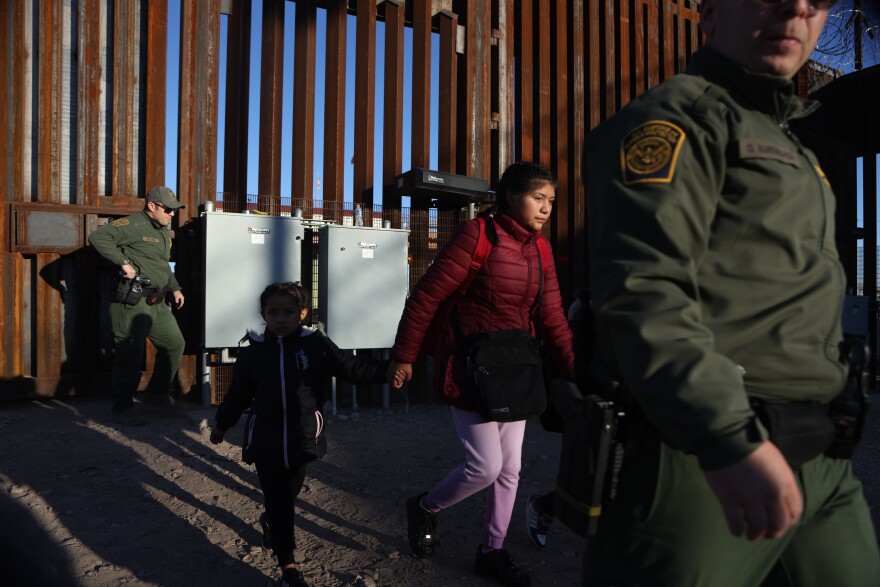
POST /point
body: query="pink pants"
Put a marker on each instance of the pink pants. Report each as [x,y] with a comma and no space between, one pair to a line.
[493,454]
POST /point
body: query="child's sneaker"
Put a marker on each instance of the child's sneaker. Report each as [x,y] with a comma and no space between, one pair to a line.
[537,522]
[498,564]
[420,527]
[264,526]
[292,578]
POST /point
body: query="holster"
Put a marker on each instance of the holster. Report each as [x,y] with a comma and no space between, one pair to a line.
[849,409]
[590,459]
[126,291]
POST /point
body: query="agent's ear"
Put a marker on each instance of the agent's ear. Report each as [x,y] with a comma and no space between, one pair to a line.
[303,313]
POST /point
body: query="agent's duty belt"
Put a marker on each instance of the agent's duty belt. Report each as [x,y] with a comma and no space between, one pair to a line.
[800,430]
[804,430]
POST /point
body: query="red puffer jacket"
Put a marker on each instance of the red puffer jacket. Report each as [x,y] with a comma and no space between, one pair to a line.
[502,296]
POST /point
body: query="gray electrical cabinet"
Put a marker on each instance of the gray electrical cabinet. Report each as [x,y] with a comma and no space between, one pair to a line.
[363,283]
[243,253]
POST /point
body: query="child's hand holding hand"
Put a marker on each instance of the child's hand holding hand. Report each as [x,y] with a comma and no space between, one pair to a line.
[398,373]
[217,435]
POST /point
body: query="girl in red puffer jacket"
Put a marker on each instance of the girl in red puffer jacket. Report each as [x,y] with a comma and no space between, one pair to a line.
[503,295]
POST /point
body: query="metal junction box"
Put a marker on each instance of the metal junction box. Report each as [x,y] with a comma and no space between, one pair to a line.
[243,253]
[363,284]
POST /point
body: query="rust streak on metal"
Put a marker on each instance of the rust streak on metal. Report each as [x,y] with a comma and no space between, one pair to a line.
[653,44]
[334,108]
[610,63]
[49,342]
[156,88]
[474,119]
[578,123]
[238,68]
[12,61]
[447,115]
[197,170]
[303,151]
[545,76]
[524,40]
[623,14]
[392,159]
[668,40]
[271,80]
[421,83]
[365,101]
[89,102]
[51,86]
[560,140]
[125,76]
[502,101]
[639,46]
[594,51]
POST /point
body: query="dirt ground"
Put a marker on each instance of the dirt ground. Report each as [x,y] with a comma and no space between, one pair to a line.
[160,505]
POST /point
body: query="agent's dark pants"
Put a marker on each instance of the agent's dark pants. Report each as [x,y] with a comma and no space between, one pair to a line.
[132,326]
[668,530]
[280,489]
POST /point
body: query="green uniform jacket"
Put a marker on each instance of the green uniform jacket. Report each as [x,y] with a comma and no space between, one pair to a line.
[141,241]
[714,272]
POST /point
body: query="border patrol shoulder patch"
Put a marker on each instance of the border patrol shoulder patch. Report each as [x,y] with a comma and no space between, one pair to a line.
[120,222]
[648,153]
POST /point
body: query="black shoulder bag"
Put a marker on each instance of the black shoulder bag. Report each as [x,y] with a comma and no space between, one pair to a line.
[507,370]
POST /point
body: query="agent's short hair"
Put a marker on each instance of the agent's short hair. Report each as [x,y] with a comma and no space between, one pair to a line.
[287,288]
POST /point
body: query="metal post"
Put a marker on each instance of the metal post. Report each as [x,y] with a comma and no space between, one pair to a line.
[206,379]
[386,389]
[354,390]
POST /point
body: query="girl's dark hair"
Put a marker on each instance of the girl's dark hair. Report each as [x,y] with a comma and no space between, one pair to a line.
[519,179]
[287,288]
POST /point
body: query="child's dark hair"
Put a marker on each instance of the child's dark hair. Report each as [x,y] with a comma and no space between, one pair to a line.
[287,288]
[519,179]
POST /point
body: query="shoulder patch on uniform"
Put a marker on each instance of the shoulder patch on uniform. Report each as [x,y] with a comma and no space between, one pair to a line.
[761,149]
[120,222]
[648,153]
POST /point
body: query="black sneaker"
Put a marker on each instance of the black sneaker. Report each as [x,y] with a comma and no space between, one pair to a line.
[129,417]
[292,578]
[264,526]
[420,527]
[537,522]
[497,563]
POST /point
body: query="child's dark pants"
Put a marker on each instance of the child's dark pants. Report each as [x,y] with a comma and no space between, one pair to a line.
[280,488]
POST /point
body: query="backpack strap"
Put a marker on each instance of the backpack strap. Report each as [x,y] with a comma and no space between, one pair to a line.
[446,313]
[481,253]
[546,254]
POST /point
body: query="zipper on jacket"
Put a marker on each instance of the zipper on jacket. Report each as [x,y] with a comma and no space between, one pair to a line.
[283,400]
[839,268]
[794,139]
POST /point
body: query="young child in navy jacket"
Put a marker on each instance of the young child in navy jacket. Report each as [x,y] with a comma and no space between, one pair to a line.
[282,376]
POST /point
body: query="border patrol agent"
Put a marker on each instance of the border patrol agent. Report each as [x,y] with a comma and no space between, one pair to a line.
[141,246]
[718,292]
